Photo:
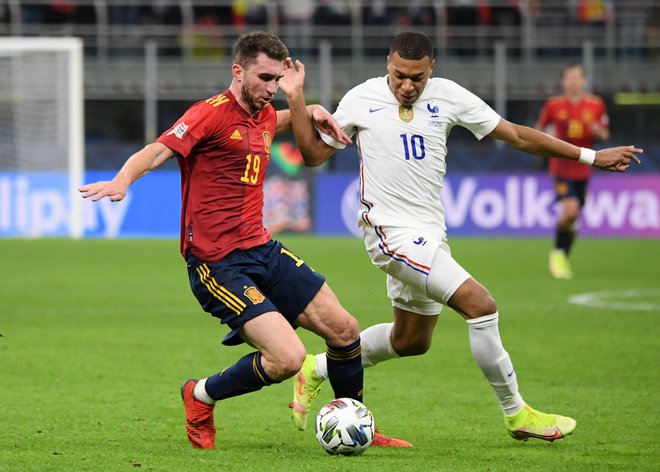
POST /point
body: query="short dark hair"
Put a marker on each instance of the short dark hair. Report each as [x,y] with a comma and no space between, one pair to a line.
[571,65]
[412,45]
[250,45]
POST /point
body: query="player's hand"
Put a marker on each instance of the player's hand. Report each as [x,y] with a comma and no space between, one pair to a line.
[598,131]
[293,77]
[325,122]
[617,159]
[107,188]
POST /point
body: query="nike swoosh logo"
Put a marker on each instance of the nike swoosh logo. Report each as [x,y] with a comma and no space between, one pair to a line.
[509,374]
[301,387]
[372,110]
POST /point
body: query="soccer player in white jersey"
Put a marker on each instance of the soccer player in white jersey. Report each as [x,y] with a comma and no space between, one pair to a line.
[402,122]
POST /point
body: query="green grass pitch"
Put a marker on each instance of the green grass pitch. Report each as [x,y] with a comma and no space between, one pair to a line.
[98,335]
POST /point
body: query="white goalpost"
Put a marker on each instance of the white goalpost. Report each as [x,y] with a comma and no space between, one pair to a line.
[41,136]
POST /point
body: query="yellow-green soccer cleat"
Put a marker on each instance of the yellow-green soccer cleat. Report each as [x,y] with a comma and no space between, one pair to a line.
[306,386]
[530,423]
[559,266]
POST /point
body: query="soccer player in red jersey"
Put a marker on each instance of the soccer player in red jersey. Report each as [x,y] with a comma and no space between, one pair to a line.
[579,119]
[254,284]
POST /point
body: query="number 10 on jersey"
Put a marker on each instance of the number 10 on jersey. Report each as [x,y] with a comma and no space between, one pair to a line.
[413,145]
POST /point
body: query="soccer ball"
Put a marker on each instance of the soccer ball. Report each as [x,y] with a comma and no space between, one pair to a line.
[345,426]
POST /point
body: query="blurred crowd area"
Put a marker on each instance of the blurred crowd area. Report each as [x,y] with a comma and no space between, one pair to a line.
[192,42]
[465,27]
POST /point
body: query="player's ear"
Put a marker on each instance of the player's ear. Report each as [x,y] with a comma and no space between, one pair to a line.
[237,72]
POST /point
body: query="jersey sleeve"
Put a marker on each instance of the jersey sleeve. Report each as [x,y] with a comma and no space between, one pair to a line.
[545,116]
[195,124]
[603,118]
[344,116]
[475,114]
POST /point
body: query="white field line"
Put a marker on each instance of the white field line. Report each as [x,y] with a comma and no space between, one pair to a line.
[628,300]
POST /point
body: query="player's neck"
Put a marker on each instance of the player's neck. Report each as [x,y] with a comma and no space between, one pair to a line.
[574,97]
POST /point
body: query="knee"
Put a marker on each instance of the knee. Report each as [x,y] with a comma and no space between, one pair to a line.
[486,307]
[472,300]
[482,306]
[411,347]
[287,364]
[570,213]
[412,344]
[572,216]
[346,332]
[568,221]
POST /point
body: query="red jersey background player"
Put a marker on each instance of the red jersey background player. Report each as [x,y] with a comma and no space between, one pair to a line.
[255,285]
[579,119]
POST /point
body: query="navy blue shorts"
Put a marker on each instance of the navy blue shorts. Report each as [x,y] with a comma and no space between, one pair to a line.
[249,283]
[565,188]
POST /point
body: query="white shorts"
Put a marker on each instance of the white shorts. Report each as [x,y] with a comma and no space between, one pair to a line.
[408,256]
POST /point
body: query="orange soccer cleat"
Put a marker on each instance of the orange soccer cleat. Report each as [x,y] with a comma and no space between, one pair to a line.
[380,440]
[199,418]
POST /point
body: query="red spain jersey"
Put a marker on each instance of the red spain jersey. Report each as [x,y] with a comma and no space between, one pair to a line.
[223,153]
[572,123]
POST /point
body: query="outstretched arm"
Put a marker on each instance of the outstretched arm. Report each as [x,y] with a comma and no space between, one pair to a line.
[305,119]
[524,138]
[321,118]
[143,161]
[599,131]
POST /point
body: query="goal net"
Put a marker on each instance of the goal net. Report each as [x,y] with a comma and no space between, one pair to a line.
[41,137]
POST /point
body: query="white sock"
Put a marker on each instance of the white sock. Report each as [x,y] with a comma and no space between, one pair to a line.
[376,347]
[199,392]
[494,361]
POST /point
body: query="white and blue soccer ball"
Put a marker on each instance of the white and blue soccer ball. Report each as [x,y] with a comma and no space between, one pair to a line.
[345,426]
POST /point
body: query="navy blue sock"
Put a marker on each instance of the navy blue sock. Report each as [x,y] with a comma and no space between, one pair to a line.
[345,370]
[246,376]
[564,240]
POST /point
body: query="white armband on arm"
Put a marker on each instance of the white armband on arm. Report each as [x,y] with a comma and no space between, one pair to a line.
[329,140]
[587,156]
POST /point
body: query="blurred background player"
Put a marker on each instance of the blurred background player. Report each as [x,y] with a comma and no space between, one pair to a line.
[579,119]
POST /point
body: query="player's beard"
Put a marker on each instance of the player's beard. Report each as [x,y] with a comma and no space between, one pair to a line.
[252,103]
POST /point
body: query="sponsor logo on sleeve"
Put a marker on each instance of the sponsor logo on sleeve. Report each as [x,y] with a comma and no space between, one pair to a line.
[179,130]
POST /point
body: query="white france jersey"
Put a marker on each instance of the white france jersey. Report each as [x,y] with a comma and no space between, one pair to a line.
[402,152]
